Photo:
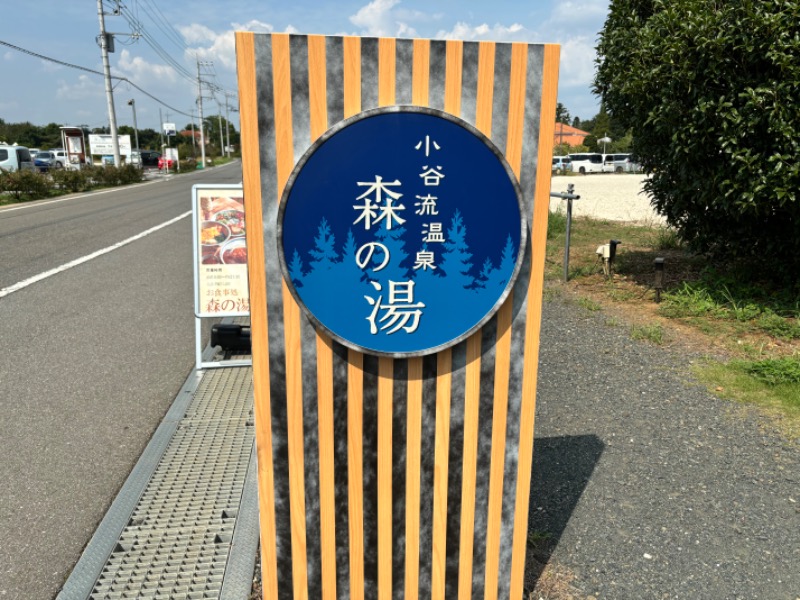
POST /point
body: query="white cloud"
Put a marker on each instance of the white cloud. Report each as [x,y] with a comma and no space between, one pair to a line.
[8,55]
[378,19]
[497,33]
[577,61]
[220,47]
[143,72]
[87,87]
[50,67]
[571,14]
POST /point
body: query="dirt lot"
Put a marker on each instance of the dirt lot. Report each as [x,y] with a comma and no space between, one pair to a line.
[617,197]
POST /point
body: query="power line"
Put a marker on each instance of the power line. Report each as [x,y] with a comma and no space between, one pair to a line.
[92,71]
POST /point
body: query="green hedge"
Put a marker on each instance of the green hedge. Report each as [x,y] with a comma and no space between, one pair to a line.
[29,185]
[710,90]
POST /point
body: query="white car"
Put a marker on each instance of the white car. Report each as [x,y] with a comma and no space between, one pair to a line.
[61,158]
[15,158]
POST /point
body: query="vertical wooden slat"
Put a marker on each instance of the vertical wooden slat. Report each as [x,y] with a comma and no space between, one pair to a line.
[355,369]
[284,157]
[440,472]
[413,451]
[452,84]
[355,471]
[327,492]
[386,96]
[318,122]
[251,169]
[534,310]
[352,76]
[385,408]
[472,401]
[387,73]
[497,467]
[421,72]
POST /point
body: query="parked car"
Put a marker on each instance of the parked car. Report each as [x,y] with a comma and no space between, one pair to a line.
[61,158]
[43,161]
[620,163]
[561,164]
[147,158]
[15,158]
[588,162]
[166,163]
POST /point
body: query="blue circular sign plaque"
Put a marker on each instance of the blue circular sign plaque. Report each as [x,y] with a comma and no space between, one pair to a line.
[401,231]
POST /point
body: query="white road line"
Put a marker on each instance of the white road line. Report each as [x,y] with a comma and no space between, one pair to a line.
[79,261]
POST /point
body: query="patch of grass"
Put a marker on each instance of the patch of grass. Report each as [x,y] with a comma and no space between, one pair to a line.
[778,326]
[556,224]
[622,294]
[612,322]
[666,238]
[589,304]
[744,381]
[776,371]
[653,333]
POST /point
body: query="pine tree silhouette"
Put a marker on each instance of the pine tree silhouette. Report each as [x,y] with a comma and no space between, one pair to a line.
[456,256]
[347,270]
[508,259]
[296,269]
[324,252]
[486,273]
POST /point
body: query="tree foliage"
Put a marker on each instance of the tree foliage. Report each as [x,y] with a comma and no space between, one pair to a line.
[710,90]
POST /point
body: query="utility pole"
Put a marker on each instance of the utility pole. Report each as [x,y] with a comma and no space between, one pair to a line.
[200,108]
[221,141]
[227,128]
[112,116]
[194,142]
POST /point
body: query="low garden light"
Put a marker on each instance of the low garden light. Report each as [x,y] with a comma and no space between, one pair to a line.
[658,283]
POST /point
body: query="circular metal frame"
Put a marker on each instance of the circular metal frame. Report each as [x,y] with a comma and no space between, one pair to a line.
[401,108]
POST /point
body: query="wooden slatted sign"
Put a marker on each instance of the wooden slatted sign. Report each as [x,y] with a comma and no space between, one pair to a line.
[394,442]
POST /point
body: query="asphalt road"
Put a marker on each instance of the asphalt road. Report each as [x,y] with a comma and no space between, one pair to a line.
[92,358]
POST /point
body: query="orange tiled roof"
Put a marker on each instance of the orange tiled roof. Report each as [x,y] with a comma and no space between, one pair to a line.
[567,134]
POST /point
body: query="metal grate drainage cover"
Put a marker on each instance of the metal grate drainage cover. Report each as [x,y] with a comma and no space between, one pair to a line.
[191,530]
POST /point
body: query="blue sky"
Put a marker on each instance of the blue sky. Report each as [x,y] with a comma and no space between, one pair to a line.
[42,92]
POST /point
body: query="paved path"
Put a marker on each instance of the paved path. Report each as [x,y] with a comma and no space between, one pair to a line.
[650,487]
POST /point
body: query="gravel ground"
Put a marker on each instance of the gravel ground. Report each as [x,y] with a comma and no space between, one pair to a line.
[646,486]
[611,196]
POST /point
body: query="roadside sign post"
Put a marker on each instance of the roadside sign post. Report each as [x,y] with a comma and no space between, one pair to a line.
[220,261]
[569,196]
[396,234]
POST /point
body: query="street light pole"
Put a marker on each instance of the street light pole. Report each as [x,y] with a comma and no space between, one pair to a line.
[132,104]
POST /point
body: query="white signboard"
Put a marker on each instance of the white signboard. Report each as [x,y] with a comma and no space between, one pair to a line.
[101,143]
[170,129]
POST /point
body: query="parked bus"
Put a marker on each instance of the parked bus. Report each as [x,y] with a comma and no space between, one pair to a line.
[589,162]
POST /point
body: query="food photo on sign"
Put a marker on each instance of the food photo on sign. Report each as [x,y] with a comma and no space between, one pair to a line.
[222,230]
[220,249]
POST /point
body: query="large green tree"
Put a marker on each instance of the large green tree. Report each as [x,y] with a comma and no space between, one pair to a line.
[711,91]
